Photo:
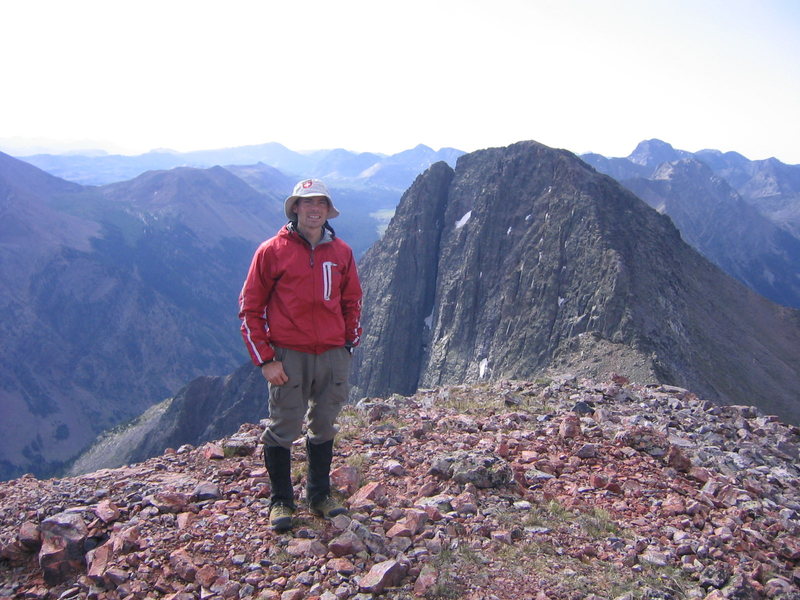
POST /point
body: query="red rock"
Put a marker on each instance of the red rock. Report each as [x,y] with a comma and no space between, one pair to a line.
[368,496]
[345,479]
[426,580]
[384,574]
[30,536]
[97,562]
[126,540]
[678,460]
[206,576]
[182,564]
[301,547]
[347,543]
[597,481]
[294,594]
[570,427]
[62,556]
[213,451]
[107,511]
[400,529]
[169,502]
[342,566]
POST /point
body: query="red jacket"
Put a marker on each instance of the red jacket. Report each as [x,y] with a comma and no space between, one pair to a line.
[300,298]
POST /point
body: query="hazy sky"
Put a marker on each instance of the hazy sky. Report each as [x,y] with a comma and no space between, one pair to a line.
[384,76]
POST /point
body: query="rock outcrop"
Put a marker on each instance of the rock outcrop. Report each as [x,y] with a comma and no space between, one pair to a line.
[553,489]
[542,264]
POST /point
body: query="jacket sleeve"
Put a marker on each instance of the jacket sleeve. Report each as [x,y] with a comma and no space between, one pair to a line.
[253,308]
[351,303]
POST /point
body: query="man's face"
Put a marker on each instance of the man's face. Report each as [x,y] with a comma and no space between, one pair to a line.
[312,212]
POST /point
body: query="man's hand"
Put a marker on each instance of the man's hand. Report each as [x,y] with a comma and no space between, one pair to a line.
[273,372]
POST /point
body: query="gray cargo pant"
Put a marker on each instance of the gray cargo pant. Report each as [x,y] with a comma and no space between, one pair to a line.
[317,389]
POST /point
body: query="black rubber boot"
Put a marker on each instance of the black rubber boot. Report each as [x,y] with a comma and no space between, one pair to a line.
[278,461]
[318,483]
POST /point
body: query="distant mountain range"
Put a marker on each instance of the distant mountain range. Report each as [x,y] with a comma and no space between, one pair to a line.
[114,296]
[743,215]
[364,169]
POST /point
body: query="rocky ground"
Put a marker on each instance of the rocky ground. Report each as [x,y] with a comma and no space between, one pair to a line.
[545,490]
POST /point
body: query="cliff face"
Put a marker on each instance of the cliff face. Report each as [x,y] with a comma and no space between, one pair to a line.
[544,263]
[403,275]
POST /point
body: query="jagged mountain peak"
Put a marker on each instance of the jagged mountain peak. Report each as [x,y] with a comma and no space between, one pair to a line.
[538,261]
[651,153]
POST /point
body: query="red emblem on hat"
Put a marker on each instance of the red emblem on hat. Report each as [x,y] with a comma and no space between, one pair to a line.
[308,183]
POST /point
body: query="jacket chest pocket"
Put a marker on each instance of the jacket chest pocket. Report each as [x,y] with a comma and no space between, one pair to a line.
[331,278]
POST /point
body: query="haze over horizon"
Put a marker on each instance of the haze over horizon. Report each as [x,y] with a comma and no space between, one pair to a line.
[586,76]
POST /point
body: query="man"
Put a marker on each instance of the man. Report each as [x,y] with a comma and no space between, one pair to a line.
[300,308]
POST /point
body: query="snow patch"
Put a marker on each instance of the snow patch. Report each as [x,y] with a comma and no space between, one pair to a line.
[463,220]
[482,368]
[369,171]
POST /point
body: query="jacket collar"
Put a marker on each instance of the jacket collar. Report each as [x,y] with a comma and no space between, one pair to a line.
[328,234]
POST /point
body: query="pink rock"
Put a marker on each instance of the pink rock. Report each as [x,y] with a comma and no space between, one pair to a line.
[346,544]
[206,576]
[400,529]
[126,540]
[294,594]
[97,562]
[570,427]
[30,536]
[213,451]
[368,496]
[343,566]
[169,502]
[182,564]
[465,503]
[382,575]
[426,580]
[107,511]
[345,479]
[393,467]
[62,556]
[301,547]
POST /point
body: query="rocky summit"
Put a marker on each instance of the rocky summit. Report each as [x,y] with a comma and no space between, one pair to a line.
[550,489]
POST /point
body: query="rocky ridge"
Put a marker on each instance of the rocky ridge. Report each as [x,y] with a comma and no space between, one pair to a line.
[559,488]
[523,259]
